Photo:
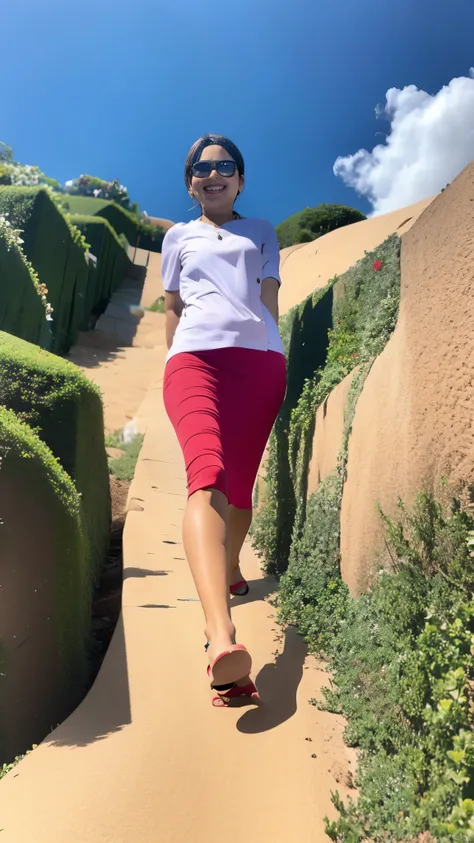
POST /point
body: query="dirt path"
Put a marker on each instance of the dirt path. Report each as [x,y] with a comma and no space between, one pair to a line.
[146,758]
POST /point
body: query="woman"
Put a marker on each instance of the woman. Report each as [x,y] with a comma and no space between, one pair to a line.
[225,381]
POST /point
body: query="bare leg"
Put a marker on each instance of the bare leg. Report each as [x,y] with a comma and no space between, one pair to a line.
[206,543]
[239,525]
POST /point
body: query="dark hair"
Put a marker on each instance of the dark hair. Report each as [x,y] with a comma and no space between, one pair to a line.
[196,150]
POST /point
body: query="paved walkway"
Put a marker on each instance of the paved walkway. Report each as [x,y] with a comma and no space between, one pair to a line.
[145,757]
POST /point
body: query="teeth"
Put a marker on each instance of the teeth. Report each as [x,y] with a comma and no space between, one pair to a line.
[214,189]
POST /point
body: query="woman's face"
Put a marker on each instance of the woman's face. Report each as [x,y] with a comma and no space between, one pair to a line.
[216,192]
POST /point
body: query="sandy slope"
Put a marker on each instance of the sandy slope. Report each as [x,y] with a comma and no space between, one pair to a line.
[146,758]
[309,267]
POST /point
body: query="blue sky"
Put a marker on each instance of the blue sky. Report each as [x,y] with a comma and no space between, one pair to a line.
[121,89]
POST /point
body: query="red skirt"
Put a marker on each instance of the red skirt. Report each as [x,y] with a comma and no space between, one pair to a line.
[223,404]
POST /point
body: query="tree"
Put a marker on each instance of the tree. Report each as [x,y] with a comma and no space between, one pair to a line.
[311,223]
[6,153]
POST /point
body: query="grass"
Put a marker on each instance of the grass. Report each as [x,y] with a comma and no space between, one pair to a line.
[158,306]
[7,768]
[123,467]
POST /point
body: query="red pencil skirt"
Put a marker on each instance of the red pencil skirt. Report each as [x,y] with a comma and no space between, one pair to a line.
[223,404]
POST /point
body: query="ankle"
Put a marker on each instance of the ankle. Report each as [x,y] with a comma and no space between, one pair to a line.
[219,631]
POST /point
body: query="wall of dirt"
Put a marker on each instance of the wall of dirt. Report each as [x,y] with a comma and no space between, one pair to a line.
[328,433]
[414,420]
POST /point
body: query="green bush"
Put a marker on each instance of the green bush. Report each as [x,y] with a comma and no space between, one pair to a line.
[311,223]
[112,264]
[41,523]
[137,232]
[21,310]
[65,410]
[50,247]
[402,675]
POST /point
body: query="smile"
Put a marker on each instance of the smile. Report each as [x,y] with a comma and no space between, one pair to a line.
[218,188]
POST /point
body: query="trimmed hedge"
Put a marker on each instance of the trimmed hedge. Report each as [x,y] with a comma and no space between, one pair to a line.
[65,410]
[21,310]
[121,220]
[138,233]
[58,260]
[46,579]
[112,264]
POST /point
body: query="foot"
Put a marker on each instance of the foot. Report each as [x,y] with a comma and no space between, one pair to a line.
[237,577]
[227,663]
[219,640]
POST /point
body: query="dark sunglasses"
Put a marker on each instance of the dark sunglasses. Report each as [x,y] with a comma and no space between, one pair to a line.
[203,169]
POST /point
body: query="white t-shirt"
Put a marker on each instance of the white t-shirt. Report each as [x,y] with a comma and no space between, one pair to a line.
[219,273]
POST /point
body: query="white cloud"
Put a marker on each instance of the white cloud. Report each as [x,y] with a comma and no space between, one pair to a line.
[429,141]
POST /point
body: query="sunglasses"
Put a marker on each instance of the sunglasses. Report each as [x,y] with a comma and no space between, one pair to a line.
[203,169]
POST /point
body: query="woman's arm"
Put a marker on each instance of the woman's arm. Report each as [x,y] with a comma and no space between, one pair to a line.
[269,296]
[271,271]
[173,311]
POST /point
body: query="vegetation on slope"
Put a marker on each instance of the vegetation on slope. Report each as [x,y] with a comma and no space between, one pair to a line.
[400,656]
[311,223]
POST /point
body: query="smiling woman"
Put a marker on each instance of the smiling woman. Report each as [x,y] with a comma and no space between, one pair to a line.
[225,375]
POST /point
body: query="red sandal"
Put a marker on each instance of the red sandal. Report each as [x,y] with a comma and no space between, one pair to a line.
[224,696]
[230,666]
[240,588]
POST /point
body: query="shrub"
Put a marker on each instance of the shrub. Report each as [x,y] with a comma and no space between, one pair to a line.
[46,589]
[402,675]
[65,410]
[49,244]
[112,263]
[22,309]
[137,231]
[311,223]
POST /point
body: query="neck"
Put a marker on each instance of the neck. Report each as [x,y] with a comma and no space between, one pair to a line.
[218,218]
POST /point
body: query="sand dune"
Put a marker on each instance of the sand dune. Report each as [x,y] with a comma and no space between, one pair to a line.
[309,267]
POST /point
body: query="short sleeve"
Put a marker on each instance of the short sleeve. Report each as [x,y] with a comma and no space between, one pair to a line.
[270,253]
[170,261]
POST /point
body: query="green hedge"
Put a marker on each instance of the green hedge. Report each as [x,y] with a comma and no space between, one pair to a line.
[112,263]
[46,589]
[59,261]
[64,408]
[137,232]
[121,220]
[21,310]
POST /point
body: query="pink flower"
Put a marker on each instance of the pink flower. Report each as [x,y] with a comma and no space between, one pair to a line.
[377,265]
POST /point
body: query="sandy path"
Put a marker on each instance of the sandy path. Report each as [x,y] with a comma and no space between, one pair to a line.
[146,758]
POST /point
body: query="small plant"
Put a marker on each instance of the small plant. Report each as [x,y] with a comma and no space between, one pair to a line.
[158,306]
[7,768]
[123,467]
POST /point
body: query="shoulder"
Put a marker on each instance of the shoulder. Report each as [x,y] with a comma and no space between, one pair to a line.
[176,233]
[260,226]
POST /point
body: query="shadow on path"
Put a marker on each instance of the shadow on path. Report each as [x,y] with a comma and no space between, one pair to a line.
[106,708]
[140,573]
[277,684]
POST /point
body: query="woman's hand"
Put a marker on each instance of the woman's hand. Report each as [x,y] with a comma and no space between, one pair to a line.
[269,296]
[173,310]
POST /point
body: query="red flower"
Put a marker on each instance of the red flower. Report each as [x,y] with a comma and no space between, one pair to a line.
[378,265]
